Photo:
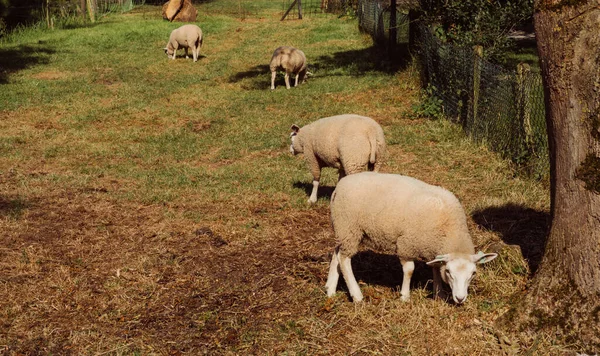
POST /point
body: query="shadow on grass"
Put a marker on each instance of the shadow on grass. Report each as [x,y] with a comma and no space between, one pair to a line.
[260,78]
[12,208]
[518,225]
[360,62]
[323,191]
[377,269]
[20,58]
[350,63]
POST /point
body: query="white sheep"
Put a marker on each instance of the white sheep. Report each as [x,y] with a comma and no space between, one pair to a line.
[347,142]
[404,216]
[292,61]
[186,36]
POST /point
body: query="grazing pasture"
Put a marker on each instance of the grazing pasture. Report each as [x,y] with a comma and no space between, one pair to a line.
[152,206]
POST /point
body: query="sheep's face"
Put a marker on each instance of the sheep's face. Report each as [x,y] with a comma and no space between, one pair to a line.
[457,270]
[169,52]
[296,146]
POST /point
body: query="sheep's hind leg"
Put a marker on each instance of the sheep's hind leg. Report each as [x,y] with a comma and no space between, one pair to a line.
[195,53]
[346,267]
[407,267]
[186,52]
[287,80]
[313,194]
[296,83]
[334,274]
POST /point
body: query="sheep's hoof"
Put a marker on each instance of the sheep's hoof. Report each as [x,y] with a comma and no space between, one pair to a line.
[405,298]
[310,201]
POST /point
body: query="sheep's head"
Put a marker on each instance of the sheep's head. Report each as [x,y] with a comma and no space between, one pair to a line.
[457,270]
[170,53]
[296,146]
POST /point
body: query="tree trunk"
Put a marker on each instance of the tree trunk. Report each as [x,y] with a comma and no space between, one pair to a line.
[564,298]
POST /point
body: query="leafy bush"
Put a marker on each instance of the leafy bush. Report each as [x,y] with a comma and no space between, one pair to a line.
[430,105]
[477,22]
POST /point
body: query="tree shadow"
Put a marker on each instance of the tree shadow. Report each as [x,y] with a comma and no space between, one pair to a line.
[359,62]
[260,78]
[352,63]
[518,225]
[323,191]
[12,208]
[20,58]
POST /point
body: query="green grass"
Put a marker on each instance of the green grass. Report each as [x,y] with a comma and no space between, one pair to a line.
[151,206]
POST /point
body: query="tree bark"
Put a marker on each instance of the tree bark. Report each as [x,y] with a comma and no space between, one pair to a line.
[564,297]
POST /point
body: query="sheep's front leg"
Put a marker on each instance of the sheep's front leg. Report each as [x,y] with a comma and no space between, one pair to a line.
[175,48]
[287,80]
[334,274]
[273,74]
[407,267]
[346,267]
[438,291]
[296,83]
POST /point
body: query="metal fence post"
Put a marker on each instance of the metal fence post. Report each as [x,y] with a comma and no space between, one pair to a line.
[477,59]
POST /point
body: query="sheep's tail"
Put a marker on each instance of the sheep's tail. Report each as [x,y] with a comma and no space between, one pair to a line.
[373,143]
[378,150]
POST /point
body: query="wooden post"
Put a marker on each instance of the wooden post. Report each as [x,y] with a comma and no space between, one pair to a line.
[300,9]
[91,10]
[477,59]
[48,14]
[524,102]
[288,10]
[393,32]
[82,5]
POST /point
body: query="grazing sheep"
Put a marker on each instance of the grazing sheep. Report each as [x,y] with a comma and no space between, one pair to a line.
[186,36]
[292,61]
[346,142]
[401,215]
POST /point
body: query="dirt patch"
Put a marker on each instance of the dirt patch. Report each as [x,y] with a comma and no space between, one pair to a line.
[52,75]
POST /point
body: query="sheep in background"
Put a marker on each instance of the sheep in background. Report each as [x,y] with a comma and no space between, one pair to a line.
[347,142]
[186,36]
[401,215]
[292,61]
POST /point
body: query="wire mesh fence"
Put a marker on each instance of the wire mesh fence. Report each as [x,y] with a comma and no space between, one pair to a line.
[374,18]
[51,13]
[502,107]
[293,9]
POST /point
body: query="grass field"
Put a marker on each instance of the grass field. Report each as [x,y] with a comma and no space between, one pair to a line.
[151,206]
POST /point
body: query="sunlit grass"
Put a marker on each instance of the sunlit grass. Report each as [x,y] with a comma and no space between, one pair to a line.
[152,205]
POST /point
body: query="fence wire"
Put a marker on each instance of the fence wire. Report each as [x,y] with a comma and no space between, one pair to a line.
[317,7]
[501,107]
[374,18]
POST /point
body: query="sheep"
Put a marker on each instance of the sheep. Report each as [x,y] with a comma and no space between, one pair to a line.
[397,214]
[292,61]
[186,36]
[347,142]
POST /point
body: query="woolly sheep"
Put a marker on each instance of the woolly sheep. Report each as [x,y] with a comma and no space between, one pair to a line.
[186,36]
[347,142]
[402,215]
[292,61]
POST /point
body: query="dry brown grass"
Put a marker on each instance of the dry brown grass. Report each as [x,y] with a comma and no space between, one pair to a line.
[94,261]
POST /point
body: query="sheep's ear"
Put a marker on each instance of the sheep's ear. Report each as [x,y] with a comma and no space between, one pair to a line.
[481,257]
[295,128]
[439,259]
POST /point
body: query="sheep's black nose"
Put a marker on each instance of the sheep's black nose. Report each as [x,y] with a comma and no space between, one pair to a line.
[460,300]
